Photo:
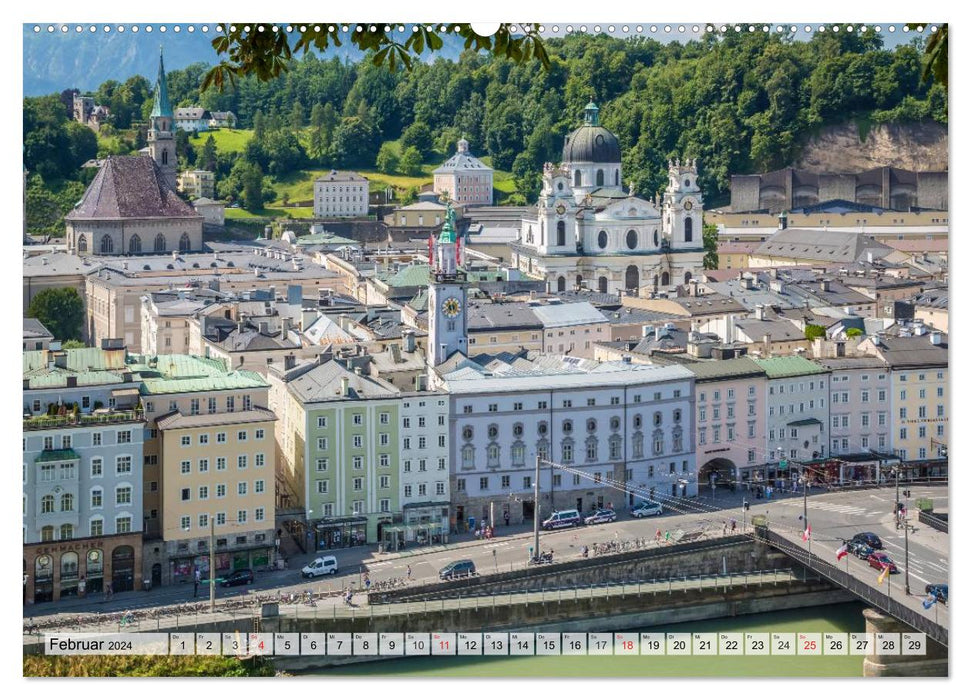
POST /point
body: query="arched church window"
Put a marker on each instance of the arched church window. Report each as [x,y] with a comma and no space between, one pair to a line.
[602,285]
[602,239]
[160,243]
[560,233]
[82,244]
[107,245]
[135,244]
[576,178]
[184,243]
[165,157]
[600,178]
[688,229]
[561,284]
[665,279]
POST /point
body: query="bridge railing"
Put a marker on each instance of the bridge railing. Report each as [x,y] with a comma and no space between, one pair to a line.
[860,589]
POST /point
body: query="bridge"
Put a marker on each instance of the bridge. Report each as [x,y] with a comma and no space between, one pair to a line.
[905,607]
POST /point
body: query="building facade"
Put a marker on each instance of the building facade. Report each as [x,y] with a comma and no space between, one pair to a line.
[82,474]
[197,183]
[859,405]
[340,194]
[464,179]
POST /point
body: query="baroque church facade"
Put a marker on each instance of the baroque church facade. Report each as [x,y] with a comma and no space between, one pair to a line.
[131,207]
[587,232]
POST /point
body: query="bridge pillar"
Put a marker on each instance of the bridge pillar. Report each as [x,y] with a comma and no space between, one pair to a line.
[934,663]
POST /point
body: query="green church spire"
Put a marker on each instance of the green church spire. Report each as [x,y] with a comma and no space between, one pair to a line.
[162,107]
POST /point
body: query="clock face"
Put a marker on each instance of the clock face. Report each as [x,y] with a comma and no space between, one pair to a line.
[560,209]
[451,307]
[688,205]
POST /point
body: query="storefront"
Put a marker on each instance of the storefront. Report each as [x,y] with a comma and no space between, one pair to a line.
[338,533]
[425,523]
[183,568]
[79,568]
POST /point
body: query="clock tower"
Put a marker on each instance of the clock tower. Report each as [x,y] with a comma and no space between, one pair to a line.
[447,319]
[683,205]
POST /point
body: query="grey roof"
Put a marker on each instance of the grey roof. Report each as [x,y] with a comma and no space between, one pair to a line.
[35,329]
[837,245]
[560,315]
[341,176]
[461,162]
[778,330]
[178,421]
[59,264]
[222,115]
[513,315]
[251,340]
[856,362]
[630,314]
[932,298]
[913,351]
[191,113]
[323,383]
[591,144]
[750,298]
[130,187]
[725,369]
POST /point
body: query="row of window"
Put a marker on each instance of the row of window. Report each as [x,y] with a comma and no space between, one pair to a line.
[242,462]
[242,517]
[134,244]
[792,407]
[423,489]
[843,421]
[211,405]
[568,403]
[68,471]
[505,480]
[123,497]
[384,418]
[730,394]
[357,508]
[242,489]
[844,396]
[66,442]
[221,438]
[95,529]
[922,431]
[920,377]
[716,412]
[793,387]
[591,449]
[357,484]
[716,434]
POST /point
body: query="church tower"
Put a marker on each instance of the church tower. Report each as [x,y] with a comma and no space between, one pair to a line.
[161,128]
[447,317]
[682,206]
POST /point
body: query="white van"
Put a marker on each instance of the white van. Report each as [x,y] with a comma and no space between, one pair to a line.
[320,566]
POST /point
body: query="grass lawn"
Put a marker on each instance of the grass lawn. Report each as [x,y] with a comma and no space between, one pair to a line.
[227,140]
[270,213]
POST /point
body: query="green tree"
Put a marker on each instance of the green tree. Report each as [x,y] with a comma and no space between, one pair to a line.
[814,331]
[410,163]
[61,310]
[387,160]
[709,235]
[419,137]
[253,188]
[853,332]
[208,157]
[259,125]
[296,116]
[410,196]
[355,143]
[73,345]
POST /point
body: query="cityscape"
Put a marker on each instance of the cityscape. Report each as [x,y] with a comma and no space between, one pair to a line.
[268,391]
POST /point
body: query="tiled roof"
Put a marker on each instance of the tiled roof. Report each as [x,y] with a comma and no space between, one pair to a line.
[35,329]
[323,383]
[483,317]
[829,246]
[176,374]
[792,366]
[130,187]
[341,176]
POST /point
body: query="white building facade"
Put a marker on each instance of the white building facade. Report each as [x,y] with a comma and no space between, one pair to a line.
[340,194]
[424,458]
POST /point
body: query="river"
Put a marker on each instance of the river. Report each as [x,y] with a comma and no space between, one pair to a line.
[846,617]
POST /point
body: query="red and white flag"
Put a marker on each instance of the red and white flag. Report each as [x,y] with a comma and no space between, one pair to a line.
[841,552]
[807,533]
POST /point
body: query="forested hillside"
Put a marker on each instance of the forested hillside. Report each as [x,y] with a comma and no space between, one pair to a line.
[738,103]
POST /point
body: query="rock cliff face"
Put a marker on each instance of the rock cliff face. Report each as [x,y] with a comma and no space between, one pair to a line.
[839,149]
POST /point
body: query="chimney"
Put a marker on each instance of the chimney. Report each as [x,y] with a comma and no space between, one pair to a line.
[175,255]
[409,338]
[657,333]
[824,285]
[345,385]
[289,362]
[937,338]
[783,221]
[241,324]
[285,325]
[767,339]
[693,286]
[760,312]
[264,327]
[357,371]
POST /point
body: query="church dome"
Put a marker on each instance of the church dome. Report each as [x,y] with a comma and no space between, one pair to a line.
[591,143]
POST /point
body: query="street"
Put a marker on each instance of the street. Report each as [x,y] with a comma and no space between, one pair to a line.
[833,516]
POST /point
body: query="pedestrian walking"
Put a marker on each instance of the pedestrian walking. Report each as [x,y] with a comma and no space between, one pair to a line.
[409,572]
[195,583]
[367,583]
[81,587]
[733,526]
[724,527]
[657,535]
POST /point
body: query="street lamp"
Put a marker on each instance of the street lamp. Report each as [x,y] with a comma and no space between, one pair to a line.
[212,561]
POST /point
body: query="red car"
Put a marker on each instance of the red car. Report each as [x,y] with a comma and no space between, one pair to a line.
[880,560]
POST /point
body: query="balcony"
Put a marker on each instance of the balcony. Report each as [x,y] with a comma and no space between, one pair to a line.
[100,417]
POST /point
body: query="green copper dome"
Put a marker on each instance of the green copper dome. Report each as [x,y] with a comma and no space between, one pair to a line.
[162,106]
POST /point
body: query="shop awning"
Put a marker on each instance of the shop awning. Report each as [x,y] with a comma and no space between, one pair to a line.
[340,522]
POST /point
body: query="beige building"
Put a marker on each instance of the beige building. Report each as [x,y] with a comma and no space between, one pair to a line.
[572,329]
[114,292]
[197,183]
[886,227]
[209,453]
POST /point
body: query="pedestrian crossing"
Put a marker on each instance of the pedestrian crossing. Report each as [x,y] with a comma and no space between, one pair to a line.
[845,509]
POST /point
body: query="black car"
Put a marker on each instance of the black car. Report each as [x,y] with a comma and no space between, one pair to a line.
[860,549]
[938,590]
[240,577]
[868,538]
[457,569]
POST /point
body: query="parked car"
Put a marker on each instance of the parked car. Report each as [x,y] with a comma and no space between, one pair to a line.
[881,560]
[604,515]
[938,590]
[240,577]
[647,508]
[868,538]
[563,518]
[320,566]
[859,549]
[463,568]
